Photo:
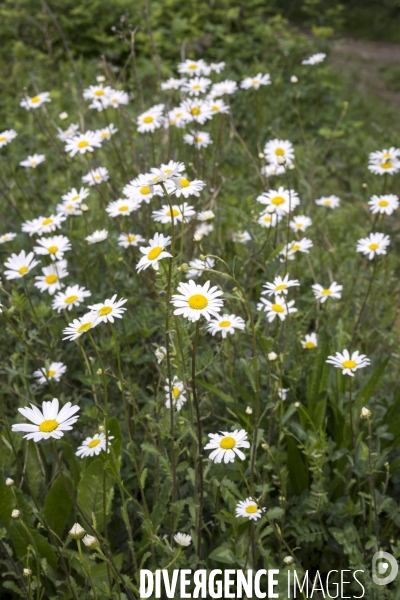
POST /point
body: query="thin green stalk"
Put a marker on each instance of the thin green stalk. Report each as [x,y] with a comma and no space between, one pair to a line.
[86,568]
[199,463]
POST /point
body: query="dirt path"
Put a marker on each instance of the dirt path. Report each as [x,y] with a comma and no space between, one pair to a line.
[363,61]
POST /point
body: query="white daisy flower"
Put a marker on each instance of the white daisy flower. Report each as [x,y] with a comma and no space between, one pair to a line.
[384,205]
[275,149]
[328,201]
[218,106]
[224,87]
[35,101]
[280,307]
[154,252]
[255,82]
[97,236]
[164,175]
[300,223]
[65,134]
[94,92]
[7,237]
[92,446]
[150,120]
[240,237]
[173,84]
[96,176]
[279,285]
[122,207]
[109,309]
[198,110]
[348,364]
[130,239]
[73,196]
[379,156]
[117,98]
[217,67]
[283,201]
[205,215]
[200,139]
[50,280]
[177,390]
[42,225]
[386,165]
[197,267]
[7,136]
[179,117]
[193,67]
[290,249]
[160,353]
[183,539]
[201,231]
[196,86]
[315,59]
[322,294]
[48,422]
[225,324]
[55,371]
[83,142]
[33,161]
[81,325]
[248,509]
[139,189]
[67,210]
[187,188]
[182,212]
[225,445]
[375,243]
[73,295]
[19,265]
[107,132]
[310,341]
[197,300]
[271,170]
[267,219]
[283,392]
[54,246]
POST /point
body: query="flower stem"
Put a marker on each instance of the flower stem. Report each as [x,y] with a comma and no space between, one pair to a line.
[199,462]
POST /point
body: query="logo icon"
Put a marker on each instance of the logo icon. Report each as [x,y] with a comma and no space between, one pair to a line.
[384,571]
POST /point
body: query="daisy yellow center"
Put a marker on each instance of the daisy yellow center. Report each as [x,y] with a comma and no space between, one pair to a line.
[84,327]
[383,203]
[195,111]
[47,221]
[278,200]
[105,134]
[214,107]
[255,81]
[224,323]
[35,99]
[33,163]
[23,270]
[196,87]
[281,287]
[69,207]
[192,67]
[175,213]
[199,139]
[295,247]
[145,190]
[131,238]
[326,292]
[94,443]
[198,302]
[52,249]
[48,426]
[3,139]
[327,202]
[97,176]
[175,392]
[51,279]
[279,152]
[309,345]
[251,509]
[148,119]
[386,165]
[267,219]
[51,373]
[167,171]
[70,299]
[99,93]
[299,225]
[83,144]
[123,208]
[278,308]
[349,364]
[227,443]
[75,198]
[154,253]
[105,311]
[373,246]
[178,115]
[184,182]
[386,155]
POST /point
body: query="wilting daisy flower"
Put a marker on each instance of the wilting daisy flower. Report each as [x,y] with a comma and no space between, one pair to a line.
[55,371]
[200,139]
[179,117]
[33,161]
[160,353]
[349,364]
[183,539]
[48,422]
[300,223]
[19,265]
[81,325]
[267,219]
[54,246]
[201,231]
[255,82]
[73,295]
[122,207]
[279,285]
[97,236]
[65,134]
[92,446]
[107,132]
[322,294]
[205,215]
[275,149]
[375,243]
[384,205]
[96,176]
[197,267]
[225,324]
[315,59]
[328,201]
[129,239]
[187,188]
[386,165]
[50,280]
[225,445]
[196,86]
[193,67]
[217,67]
[182,212]
[173,84]
[282,200]
[7,237]
[248,509]
[240,237]
[35,101]
[43,225]
[198,110]
[177,390]
[282,393]
[7,136]
[280,307]
[310,341]
[224,87]
[154,252]
[151,120]
[109,309]
[197,300]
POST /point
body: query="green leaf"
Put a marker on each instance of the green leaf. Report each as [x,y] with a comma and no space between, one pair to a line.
[90,493]
[58,505]
[213,389]
[21,540]
[298,473]
[161,506]
[224,555]
[316,376]
[371,384]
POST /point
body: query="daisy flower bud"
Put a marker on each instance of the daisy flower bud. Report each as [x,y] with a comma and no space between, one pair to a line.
[77,532]
[288,560]
[249,410]
[365,413]
[9,481]
[184,268]
[26,572]
[294,79]
[260,155]
[63,116]
[84,207]
[270,209]
[90,541]
[281,160]
[101,429]
[265,446]
[100,78]
[272,356]
[15,514]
